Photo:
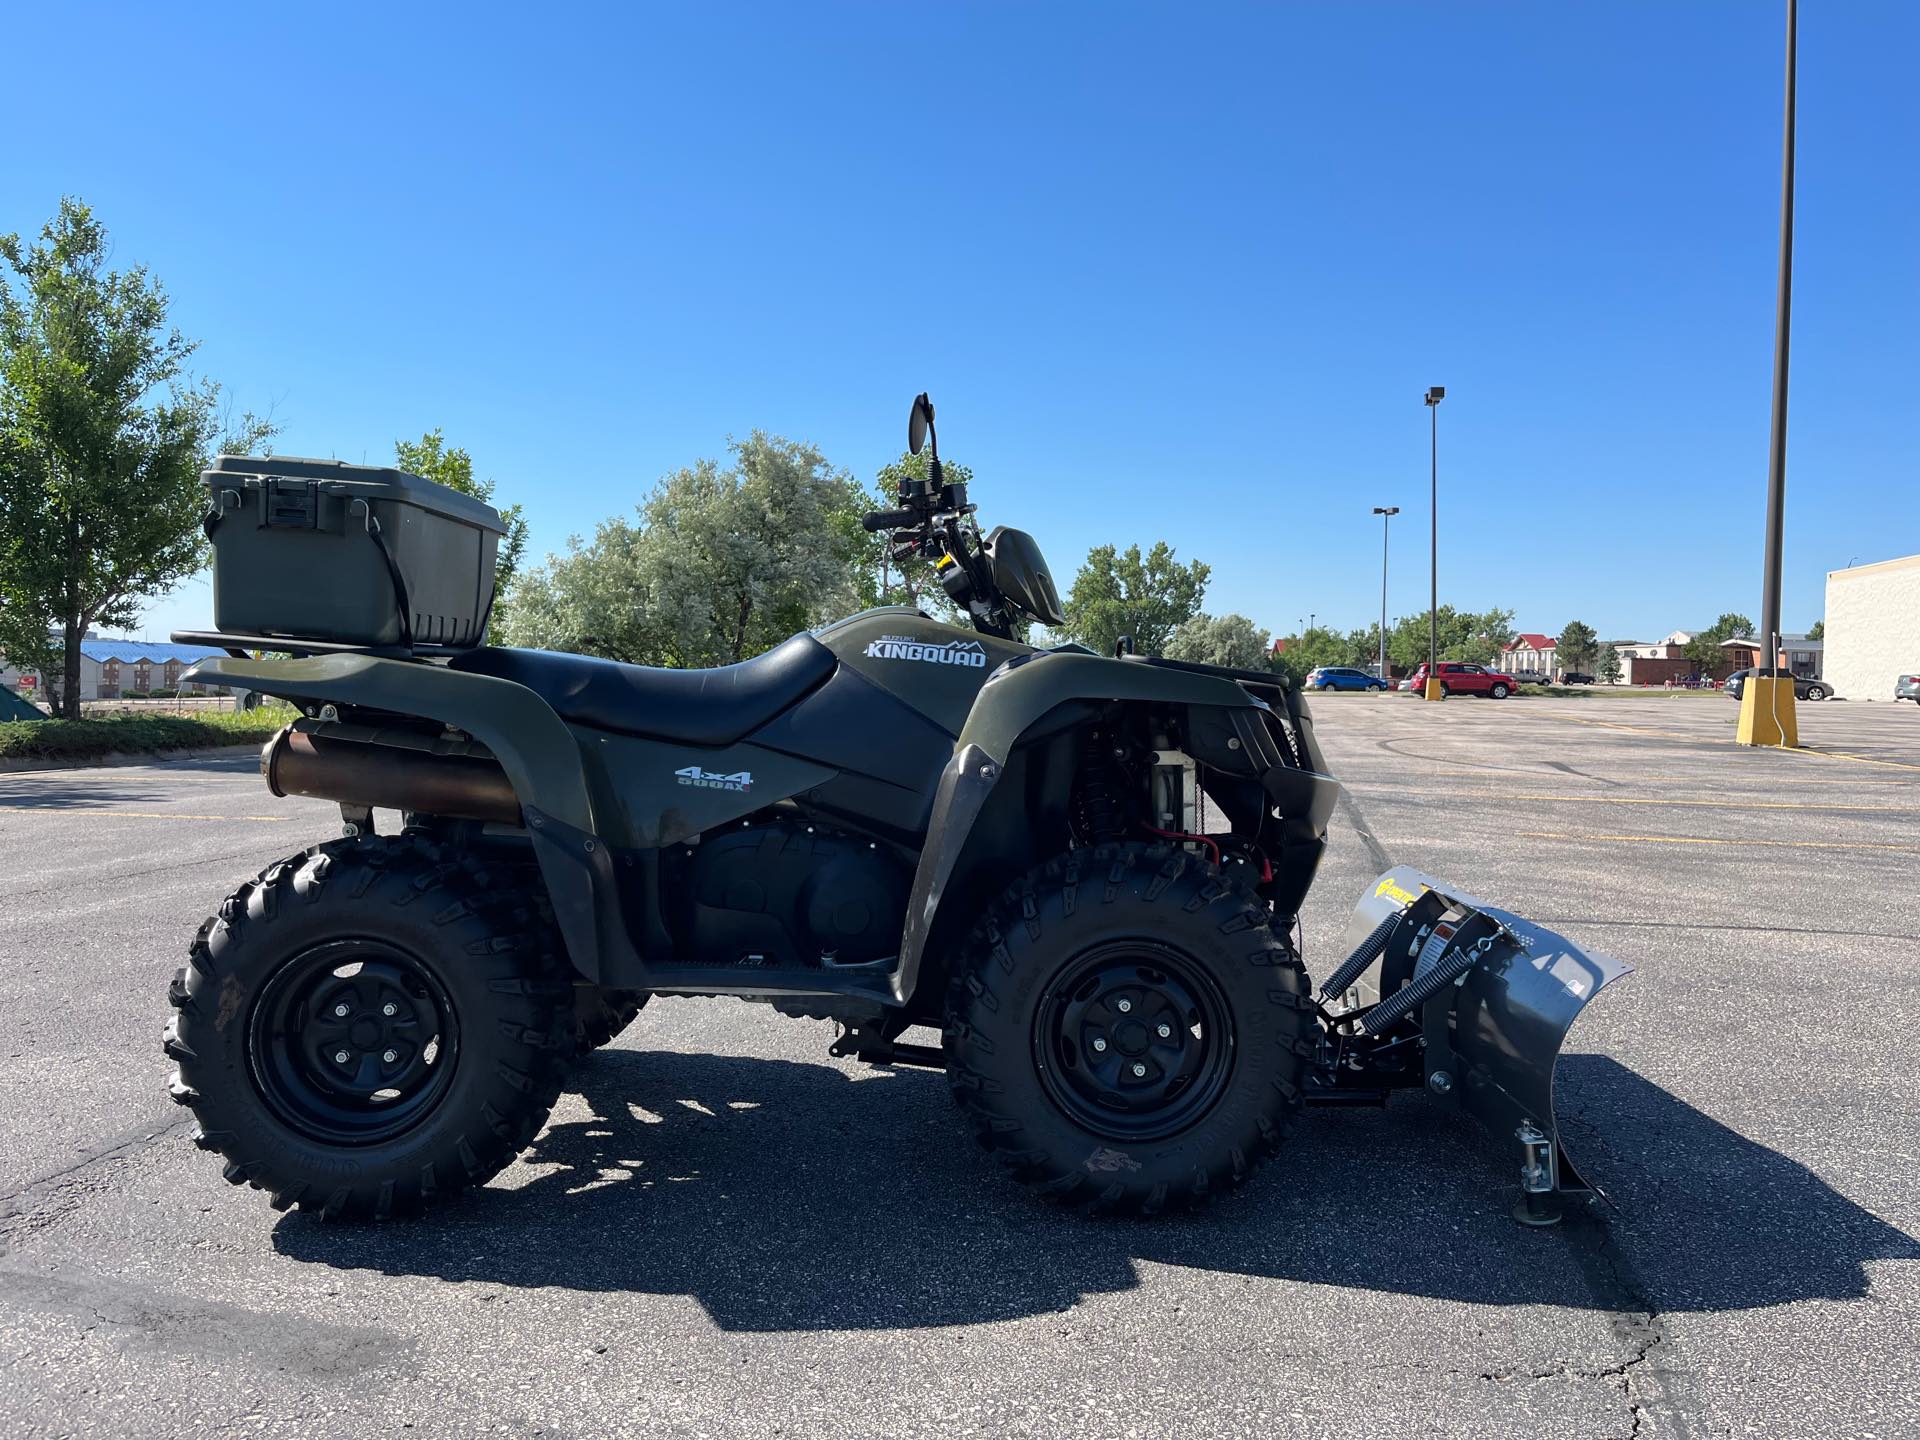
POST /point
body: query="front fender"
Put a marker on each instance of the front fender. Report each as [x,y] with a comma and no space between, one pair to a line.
[1015,699]
[531,742]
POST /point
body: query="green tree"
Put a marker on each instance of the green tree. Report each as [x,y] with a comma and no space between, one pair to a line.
[1609,671]
[429,458]
[1231,640]
[1578,647]
[1704,648]
[718,564]
[103,435]
[1464,635]
[1316,646]
[1125,593]
[1817,630]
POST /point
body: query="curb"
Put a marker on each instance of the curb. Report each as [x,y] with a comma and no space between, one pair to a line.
[31,763]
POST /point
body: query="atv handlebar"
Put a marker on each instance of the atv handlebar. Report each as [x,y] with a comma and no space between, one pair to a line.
[890,519]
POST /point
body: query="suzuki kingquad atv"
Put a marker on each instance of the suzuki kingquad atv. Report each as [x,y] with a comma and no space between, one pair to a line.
[1082,869]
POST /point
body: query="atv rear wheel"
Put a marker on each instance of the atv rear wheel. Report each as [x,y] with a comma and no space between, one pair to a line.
[369,1027]
[1127,1032]
[600,1014]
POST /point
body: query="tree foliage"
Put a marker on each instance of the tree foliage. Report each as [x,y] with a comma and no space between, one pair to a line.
[717,565]
[431,459]
[1578,647]
[1704,648]
[1231,640]
[1817,630]
[1318,645]
[103,435]
[1609,671]
[1126,593]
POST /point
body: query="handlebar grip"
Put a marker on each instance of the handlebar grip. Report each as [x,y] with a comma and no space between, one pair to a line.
[889,519]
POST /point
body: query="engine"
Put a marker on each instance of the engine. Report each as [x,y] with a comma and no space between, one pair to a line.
[786,893]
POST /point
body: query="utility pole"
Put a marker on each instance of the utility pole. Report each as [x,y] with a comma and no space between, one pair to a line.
[1766,702]
[1386,514]
[1435,394]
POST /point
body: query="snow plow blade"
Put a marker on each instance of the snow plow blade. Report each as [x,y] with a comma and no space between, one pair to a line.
[1493,997]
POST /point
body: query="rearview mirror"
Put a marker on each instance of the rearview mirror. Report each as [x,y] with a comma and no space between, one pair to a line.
[919,423]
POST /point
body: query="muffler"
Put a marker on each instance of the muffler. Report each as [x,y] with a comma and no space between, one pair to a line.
[394,770]
[1488,996]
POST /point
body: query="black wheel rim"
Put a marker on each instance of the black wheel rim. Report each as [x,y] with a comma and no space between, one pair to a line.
[354,1042]
[1133,1041]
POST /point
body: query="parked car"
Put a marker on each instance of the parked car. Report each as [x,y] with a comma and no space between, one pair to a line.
[1457,677]
[1803,688]
[1528,677]
[1342,677]
[1908,689]
[1575,677]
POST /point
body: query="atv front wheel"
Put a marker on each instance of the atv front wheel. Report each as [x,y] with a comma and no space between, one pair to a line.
[600,1014]
[1127,1031]
[369,1027]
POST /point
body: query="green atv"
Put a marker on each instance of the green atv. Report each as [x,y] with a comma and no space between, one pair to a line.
[1082,870]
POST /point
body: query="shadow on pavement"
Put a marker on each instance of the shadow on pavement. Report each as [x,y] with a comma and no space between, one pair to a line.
[788,1196]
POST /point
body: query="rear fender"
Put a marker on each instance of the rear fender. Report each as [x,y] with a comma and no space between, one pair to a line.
[1013,708]
[532,744]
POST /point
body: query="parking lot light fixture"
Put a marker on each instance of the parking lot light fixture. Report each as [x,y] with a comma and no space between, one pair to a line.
[1435,691]
[1386,514]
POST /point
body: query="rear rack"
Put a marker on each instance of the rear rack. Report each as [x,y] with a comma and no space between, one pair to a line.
[241,646]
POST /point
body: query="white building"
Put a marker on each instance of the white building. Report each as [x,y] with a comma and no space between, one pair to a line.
[1873,627]
[1531,653]
[110,669]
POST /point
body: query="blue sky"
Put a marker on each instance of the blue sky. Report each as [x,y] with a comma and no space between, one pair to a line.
[1178,271]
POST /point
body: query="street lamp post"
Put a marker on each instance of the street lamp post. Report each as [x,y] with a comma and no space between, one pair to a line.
[1435,394]
[1766,701]
[1386,514]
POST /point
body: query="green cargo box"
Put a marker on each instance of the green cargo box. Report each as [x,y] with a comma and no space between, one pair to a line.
[347,554]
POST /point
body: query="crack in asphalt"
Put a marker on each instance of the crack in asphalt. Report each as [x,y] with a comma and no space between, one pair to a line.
[44,1200]
[1617,1287]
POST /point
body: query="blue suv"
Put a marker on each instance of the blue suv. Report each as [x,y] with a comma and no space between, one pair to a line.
[1342,677]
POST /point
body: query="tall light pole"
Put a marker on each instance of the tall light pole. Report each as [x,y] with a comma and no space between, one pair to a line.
[1435,394]
[1766,702]
[1386,514]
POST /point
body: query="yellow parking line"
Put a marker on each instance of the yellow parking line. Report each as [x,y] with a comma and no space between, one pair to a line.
[129,814]
[1720,740]
[1712,840]
[1723,804]
[1857,759]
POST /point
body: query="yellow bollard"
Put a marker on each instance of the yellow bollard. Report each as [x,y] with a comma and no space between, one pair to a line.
[1766,712]
[1436,690]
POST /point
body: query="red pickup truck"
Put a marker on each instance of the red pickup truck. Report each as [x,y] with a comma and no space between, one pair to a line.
[1459,678]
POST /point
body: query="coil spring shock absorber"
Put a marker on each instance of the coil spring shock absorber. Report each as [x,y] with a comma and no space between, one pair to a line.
[1098,807]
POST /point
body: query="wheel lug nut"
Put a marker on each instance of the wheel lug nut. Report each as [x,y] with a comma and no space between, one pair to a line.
[1123,1006]
[341,1008]
[1138,1070]
[1099,1046]
[1163,1030]
[389,1009]
[340,1057]
[389,1056]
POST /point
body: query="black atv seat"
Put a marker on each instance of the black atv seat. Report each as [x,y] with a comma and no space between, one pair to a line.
[695,707]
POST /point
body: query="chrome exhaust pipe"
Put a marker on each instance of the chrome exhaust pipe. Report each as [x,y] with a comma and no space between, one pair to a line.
[358,765]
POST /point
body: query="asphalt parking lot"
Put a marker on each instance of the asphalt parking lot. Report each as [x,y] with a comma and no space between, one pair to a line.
[725,1232]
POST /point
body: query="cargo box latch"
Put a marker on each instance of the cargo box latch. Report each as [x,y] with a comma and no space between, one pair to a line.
[292,504]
